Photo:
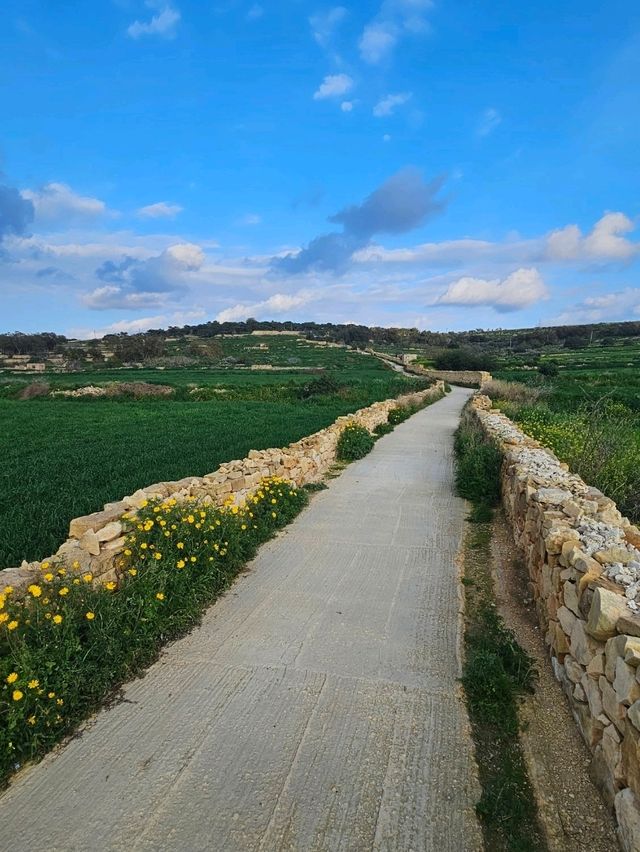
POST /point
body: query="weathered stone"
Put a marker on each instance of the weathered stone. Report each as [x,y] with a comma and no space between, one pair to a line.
[627,807]
[606,609]
[612,707]
[633,714]
[110,531]
[570,596]
[631,756]
[614,554]
[593,695]
[90,542]
[567,619]
[578,693]
[97,520]
[73,555]
[629,624]
[590,728]
[574,670]
[626,686]
[596,667]
[583,647]
[612,752]
[613,651]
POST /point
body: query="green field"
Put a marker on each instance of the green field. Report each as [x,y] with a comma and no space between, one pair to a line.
[66,457]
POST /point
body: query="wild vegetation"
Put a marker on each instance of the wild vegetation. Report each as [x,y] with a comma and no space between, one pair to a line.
[68,644]
[497,672]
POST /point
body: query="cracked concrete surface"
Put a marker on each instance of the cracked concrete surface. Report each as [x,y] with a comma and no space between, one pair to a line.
[316,708]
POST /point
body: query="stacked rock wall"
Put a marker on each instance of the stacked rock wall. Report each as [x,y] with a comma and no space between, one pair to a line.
[581,555]
[95,541]
[466,378]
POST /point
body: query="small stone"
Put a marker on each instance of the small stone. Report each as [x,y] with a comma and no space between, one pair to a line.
[90,542]
[606,608]
[627,807]
[626,686]
[110,531]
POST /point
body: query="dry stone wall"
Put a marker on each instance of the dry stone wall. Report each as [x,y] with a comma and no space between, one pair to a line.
[466,378]
[582,558]
[95,541]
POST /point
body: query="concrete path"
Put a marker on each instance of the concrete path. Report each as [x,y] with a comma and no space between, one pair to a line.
[316,708]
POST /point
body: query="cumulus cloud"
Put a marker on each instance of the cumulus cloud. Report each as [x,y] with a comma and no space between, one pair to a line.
[400,204]
[395,19]
[162,24]
[136,284]
[491,118]
[333,86]
[346,106]
[387,105]
[16,212]
[323,24]
[606,241]
[58,204]
[275,305]
[518,290]
[159,210]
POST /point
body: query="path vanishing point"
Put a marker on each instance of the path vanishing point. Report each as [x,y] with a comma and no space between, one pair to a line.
[318,705]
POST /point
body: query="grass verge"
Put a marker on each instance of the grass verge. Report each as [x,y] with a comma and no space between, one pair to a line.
[497,672]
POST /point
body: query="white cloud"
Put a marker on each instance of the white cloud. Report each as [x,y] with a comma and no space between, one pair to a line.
[57,203]
[387,105]
[518,290]
[333,86]
[279,303]
[604,242]
[395,19]
[160,210]
[346,106]
[491,118]
[378,41]
[162,24]
[323,24]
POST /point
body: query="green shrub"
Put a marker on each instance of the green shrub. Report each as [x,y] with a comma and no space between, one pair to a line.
[398,414]
[354,443]
[477,469]
[69,643]
[383,429]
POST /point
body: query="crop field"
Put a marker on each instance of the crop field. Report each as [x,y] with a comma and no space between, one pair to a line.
[62,458]
[588,414]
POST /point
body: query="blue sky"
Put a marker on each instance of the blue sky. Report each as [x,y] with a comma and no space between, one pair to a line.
[445,164]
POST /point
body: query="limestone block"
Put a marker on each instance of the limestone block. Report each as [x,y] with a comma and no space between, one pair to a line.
[627,806]
[633,714]
[629,624]
[574,670]
[590,728]
[612,707]
[110,531]
[606,609]
[567,619]
[625,684]
[583,646]
[612,752]
[90,542]
[596,666]
[613,651]
[570,596]
[614,554]
[578,693]
[593,695]
[631,757]
[138,499]
[71,553]
[111,512]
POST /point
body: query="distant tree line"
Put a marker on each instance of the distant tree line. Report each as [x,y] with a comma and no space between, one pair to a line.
[18,343]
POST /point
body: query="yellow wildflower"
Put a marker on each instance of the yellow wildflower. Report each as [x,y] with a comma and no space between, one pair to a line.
[180,545]
[133,571]
[17,695]
[144,545]
[31,720]
[190,519]
[3,617]
[48,577]
[57,619]
[180,563]
[59,702]
[51,695]
[88,577]
[12,625]
[8,590]
[110,585]
[12,678]
[157,555]
[90,616]
[33,684]
[160,596]
[63,591]
[34,590]
[127,552]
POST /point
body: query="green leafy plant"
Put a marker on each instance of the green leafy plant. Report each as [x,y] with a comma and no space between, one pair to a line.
[354,442]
